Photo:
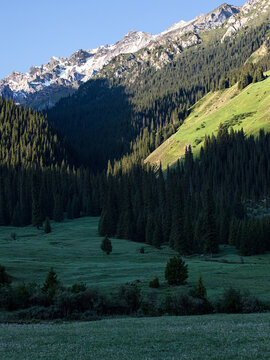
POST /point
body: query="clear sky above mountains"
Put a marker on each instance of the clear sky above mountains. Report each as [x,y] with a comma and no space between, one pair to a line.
[33,31]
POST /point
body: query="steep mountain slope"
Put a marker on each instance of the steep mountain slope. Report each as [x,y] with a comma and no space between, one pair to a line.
[131,107]
[28,140]
[44,85]
[248,109]
[221,24]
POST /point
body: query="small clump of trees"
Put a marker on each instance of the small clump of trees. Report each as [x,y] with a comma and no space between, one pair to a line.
[50,284]
[154,283]
[250,74]
[55,301]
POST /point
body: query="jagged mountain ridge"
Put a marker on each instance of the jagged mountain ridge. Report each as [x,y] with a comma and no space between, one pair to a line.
[43,86]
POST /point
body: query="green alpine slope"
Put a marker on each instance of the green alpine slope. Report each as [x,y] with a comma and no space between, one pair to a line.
[248,109]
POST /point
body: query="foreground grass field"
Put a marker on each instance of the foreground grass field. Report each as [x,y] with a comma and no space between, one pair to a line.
[248,109]
[73,250]
[219,337]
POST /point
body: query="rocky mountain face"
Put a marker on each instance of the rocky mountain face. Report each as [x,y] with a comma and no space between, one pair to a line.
[44,85]
[250,11]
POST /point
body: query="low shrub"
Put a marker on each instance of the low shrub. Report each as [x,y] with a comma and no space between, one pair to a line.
[78,287]
[154,283]
[184,304]
[39,313]
[130,296]
[5,278]
[233,301]
[152,305]
[250,304]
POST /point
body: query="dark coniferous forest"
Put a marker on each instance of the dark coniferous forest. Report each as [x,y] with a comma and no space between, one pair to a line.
[198,204]
[194,206]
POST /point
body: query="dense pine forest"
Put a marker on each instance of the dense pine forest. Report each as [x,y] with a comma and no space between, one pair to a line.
[39,174]
[196,206]
[200,203]
[27,140]
[28,196]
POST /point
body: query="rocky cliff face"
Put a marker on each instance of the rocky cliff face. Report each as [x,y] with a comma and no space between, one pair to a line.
[251,10]
[44,85]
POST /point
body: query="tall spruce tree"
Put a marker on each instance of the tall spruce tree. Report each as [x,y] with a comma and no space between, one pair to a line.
[106,245]
[50,284]
[58,215]
[176,271]
[210,235]
[36,212]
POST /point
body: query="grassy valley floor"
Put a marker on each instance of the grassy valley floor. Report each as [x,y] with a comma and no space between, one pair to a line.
[73,250]
[219,337]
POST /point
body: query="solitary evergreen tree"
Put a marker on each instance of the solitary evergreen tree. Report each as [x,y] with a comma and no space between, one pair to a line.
[106,245]
[199,290]
[50,284]
[176,271]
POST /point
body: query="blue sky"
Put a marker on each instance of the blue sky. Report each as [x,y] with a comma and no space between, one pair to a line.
[34,30]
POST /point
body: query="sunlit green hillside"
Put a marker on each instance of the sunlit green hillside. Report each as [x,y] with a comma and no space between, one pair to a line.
[248,109]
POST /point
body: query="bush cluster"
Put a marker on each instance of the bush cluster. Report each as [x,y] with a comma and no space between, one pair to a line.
[79,302]
[235,301]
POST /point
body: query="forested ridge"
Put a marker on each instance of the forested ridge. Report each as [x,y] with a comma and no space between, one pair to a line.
[201,203]
[133,114]
[28,140]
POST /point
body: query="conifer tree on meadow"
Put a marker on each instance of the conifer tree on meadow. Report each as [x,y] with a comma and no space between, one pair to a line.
[106,245]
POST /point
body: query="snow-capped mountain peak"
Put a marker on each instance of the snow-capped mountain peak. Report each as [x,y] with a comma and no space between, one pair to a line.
[43,85]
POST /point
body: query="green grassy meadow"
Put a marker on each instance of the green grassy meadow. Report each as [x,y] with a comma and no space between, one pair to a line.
[73,250]
[211,337]
[248,109]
